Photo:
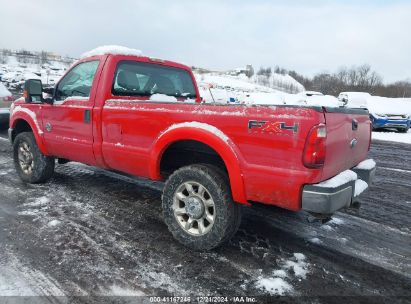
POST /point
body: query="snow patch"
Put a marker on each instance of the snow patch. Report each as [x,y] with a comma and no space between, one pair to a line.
[342,240]
[367,164]
[123,292]
[393,136]
[387,105]
[163,98]
[54,223]
[280,273]
[18,280]
[299,256]
[112,49]
[274,286]
[3,91]
[338,180]
[300,267]
[315,240]
[337,221]
[396,170]
[360,187]
[277,283]
[42,200]
[71,98]
[38,202]
[327,227]
[162,280]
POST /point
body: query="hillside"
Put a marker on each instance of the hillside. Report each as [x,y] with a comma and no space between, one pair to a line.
[17,66]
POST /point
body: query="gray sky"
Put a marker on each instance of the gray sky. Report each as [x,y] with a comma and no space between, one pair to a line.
[308,36]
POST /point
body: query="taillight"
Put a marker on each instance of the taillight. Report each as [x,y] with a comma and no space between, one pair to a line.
[314,150]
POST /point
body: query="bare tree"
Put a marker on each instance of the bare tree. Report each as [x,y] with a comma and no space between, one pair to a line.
[249,70]
[43,57]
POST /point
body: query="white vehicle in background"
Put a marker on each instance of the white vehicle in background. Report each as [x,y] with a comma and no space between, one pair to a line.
[312,93]
[354,99]
[314,98]
[6,99]
[385,113]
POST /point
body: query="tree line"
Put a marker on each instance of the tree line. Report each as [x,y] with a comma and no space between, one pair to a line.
[24,56]
[356,78]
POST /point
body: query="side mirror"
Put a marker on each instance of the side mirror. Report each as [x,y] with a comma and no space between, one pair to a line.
[33,90]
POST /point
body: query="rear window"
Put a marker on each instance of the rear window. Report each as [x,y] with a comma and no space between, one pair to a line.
[145,79]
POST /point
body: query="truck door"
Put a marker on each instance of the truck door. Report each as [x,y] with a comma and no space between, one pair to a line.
[67,123]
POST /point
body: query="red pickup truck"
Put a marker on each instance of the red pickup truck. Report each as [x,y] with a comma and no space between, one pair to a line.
[144,117]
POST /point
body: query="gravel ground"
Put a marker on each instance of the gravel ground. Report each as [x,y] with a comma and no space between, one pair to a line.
[90,234]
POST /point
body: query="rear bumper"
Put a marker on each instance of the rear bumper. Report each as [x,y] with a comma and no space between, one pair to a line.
[318,198]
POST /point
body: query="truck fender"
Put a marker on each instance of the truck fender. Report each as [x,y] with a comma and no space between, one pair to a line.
[23,114]
[206,134]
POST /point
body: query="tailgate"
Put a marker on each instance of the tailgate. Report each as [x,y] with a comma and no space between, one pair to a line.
[348,138]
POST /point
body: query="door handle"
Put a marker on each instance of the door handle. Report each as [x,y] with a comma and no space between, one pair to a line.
[354,124]
[87,116]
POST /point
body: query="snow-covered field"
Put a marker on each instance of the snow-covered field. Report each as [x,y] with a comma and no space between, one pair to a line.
[14,71]
[224,88]
[393,136]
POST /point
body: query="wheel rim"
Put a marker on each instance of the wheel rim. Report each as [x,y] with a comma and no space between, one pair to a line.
[194,208]
[26,159]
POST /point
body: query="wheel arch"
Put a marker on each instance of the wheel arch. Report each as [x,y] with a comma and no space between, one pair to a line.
[209,136]
[23,122]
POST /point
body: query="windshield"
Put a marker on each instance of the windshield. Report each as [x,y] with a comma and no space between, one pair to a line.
[146,79]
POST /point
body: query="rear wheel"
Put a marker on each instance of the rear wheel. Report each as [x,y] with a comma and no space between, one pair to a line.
[198,207]
[31,165]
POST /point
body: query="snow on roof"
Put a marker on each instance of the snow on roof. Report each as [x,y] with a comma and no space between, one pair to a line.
[352,94]
[112,49]
[310,93]
[386,105]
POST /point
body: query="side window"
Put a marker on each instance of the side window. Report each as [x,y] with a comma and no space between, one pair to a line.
[145,79]
[78,81]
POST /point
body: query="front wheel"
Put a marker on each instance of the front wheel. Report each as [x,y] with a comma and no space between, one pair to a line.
[31,165]
[198,207]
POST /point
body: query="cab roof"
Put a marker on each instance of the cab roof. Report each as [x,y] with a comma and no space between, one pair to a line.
[117,50]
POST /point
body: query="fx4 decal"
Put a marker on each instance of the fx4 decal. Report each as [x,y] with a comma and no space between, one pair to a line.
[271,127]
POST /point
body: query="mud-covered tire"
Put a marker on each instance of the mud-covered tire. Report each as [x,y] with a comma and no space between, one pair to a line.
[41,168]
[238,210]
[227,213]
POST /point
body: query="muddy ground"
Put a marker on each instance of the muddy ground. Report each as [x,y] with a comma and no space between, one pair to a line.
[89,233]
